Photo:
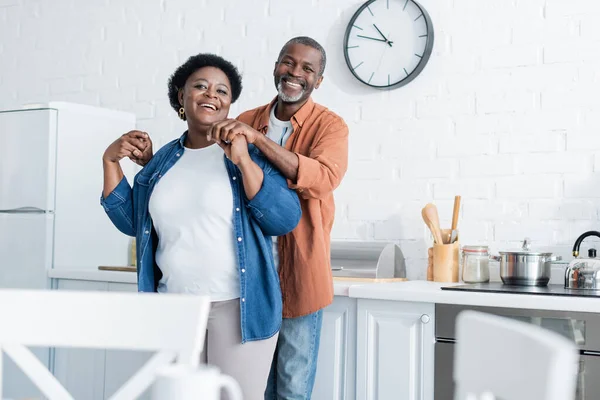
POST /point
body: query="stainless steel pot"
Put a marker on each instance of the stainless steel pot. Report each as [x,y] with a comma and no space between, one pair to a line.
[525,267]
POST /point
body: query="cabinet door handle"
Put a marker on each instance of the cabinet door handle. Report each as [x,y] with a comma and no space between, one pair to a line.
[425,318]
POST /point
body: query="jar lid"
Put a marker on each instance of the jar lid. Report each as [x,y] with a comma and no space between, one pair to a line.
[475,249]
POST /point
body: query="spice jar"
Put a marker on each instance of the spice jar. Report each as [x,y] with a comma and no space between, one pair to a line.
[475,261]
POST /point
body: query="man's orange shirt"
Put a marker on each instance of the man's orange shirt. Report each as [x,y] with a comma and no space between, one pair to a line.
[320,139]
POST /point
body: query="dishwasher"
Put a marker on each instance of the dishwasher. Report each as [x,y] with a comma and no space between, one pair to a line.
[580,327]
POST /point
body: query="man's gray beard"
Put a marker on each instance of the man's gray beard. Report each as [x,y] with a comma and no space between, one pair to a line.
[288,99]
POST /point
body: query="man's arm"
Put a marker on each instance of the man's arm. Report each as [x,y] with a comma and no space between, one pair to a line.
[284,160]
[322,170]
[313,176]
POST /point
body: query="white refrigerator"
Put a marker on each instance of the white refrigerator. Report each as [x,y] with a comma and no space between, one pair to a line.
[50,187]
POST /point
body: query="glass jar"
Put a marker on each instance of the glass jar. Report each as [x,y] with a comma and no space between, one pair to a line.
[475,264]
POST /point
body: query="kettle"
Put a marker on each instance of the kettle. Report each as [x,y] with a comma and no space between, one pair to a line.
[583,273]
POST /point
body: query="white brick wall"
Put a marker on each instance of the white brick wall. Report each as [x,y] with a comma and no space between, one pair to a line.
[505,114]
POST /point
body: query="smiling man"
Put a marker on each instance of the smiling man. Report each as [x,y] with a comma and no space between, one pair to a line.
[309,145]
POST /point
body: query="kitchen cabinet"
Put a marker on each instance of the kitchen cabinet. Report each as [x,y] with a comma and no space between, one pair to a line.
[81,371]
[336,366]
[395,350]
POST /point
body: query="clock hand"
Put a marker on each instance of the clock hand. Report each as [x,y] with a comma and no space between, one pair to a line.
[383,36]
[367,37]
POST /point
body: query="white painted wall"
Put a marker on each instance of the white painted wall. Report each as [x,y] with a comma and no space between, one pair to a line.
[506,113]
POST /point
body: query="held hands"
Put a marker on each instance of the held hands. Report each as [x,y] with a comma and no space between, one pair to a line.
[227,129]
[236,150]
[233,136]
[136,145]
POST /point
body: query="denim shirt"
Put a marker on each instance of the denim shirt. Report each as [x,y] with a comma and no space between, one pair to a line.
[274,211]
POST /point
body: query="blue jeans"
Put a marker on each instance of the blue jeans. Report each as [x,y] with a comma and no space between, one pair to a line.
[294,364]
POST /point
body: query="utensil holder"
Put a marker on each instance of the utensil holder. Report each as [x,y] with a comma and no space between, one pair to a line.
[446,260]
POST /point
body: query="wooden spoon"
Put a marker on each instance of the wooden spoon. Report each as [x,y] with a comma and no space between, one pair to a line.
[432,220]
[454,232]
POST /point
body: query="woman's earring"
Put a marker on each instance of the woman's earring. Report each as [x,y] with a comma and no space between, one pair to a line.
[182,113]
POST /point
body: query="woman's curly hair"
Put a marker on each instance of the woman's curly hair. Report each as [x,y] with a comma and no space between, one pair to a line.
[193,64]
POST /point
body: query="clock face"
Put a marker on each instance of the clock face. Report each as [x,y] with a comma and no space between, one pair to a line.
[388,42]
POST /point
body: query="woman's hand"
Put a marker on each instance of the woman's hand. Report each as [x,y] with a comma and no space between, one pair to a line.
[236,150]
[136,145]
[225,129]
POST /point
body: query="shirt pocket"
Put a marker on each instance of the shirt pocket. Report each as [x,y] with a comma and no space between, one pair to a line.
[145,179]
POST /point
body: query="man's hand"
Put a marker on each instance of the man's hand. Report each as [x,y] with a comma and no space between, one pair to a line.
[134,144]
[227,129]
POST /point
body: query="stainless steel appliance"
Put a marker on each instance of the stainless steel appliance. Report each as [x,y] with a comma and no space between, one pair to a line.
[367,260]
[582,328]
[583,273]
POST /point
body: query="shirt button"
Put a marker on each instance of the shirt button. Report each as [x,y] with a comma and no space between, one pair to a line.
[237,209]
[243,300]
[177,154]
[239,239]
[159,175]
[234,178]
[147,232]
[243,270]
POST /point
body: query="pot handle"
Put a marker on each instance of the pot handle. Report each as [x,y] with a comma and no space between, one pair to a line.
[554,258]
[495,258]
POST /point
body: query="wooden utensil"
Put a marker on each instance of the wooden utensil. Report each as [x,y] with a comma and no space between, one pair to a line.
[454,233]
[118,268]
[432,220]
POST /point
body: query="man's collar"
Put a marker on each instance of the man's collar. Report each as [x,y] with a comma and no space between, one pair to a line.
[300,116]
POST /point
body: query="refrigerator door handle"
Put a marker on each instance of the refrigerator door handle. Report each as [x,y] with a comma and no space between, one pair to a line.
[25,210]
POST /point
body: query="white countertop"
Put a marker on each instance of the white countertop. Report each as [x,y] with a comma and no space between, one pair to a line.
[93,275]
[431,292]
[411,291]
[340,288]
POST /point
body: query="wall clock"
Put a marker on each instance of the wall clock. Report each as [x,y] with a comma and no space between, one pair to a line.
[388,42]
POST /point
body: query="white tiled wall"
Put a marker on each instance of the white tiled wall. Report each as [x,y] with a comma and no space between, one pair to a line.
[506,113]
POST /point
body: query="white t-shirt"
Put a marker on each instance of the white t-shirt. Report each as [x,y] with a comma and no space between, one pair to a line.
[279,132]
[192,211]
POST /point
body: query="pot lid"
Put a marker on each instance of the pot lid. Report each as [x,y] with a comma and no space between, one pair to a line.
[526,250]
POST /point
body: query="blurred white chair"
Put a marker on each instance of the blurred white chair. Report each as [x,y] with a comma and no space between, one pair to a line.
[501,358]
[172,325]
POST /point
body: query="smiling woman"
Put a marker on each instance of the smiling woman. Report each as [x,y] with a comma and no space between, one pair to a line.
[192,75]
[203,212]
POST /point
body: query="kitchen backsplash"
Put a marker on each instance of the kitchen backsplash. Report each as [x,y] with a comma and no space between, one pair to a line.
[505,114]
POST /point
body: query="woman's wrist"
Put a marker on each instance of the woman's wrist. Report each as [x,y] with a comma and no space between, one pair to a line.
[245,163]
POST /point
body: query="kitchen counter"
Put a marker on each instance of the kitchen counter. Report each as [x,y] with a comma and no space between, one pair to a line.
[340,288]
[93,275]
[410,291]
[431,292]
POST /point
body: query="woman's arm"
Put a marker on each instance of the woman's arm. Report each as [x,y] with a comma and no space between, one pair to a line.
[272,204]
[134,144]
[112,176]
[118,205]
[252,174]
[117,196]
[252,177]
[276,207]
